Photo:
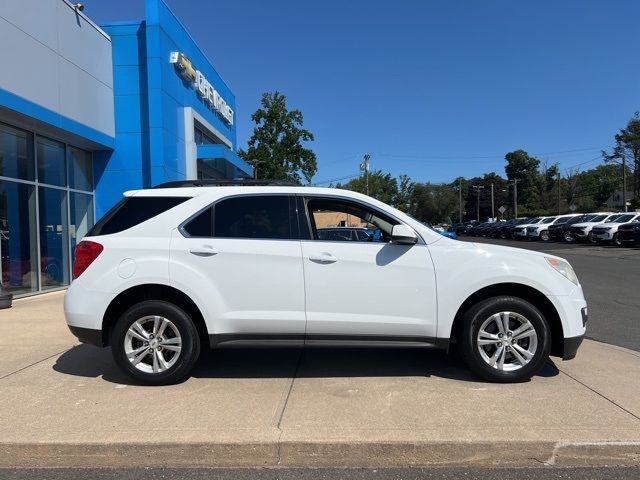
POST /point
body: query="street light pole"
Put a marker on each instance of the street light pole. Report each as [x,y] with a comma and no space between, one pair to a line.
[493,212]
[478,188]
[558,192]
[515,197]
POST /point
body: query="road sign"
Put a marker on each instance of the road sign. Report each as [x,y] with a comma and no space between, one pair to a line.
[502,210]
[573,208]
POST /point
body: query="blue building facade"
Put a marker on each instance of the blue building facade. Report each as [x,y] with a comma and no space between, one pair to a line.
[88,112]
[174,115]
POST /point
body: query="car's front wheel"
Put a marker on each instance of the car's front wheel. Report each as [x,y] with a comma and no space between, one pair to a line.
[505,339]
[616,241]
[544,235]
[155,342]
[568,236]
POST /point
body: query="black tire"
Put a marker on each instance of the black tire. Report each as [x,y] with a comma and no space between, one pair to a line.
[616,241]
[544,235]
[590,238]
[190,342]
[568,237]
[473,320]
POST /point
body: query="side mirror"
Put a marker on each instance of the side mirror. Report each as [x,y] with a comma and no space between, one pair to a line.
[403,235]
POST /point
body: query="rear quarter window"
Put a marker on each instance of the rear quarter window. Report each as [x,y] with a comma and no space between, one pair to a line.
[132,211]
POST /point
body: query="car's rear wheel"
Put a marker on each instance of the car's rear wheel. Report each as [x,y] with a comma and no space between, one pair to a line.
[505,339]
[156,343]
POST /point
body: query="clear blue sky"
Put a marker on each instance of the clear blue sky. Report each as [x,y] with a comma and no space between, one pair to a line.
[433,89]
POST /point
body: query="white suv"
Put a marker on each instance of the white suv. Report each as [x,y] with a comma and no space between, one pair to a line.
[170,269]
[607,231]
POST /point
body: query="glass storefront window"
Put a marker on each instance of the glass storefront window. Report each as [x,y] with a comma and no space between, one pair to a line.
[18,237]
[16,153]
[81,210]
[44,212]
[54,235]
[51,162]
[80,169]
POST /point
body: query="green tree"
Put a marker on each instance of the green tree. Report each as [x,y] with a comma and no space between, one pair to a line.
[523,167]
[405,190]
[628,146]
[595,186]
[434,203]
[276,147]
[382,186]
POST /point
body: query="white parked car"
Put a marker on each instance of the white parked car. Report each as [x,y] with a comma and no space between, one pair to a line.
[540,231]
[170,269]
[607,232]
[582,231]
[520,231]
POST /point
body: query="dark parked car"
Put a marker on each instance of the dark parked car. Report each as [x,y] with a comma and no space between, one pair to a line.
[506,228]
[346,234]
[463,228]
[629,234]
[562,231]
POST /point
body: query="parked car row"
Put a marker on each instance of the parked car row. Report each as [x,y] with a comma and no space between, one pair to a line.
[598,227]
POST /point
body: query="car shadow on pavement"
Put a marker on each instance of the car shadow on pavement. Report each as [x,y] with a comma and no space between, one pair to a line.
[234,363]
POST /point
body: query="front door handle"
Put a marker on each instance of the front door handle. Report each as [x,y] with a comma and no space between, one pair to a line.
[323,258]
[204,251]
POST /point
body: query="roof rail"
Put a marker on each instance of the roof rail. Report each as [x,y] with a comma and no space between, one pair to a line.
[226,183]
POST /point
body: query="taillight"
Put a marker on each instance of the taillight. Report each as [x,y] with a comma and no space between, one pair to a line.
[86,252]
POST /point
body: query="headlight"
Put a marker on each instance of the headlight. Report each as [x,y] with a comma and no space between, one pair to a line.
[564,268]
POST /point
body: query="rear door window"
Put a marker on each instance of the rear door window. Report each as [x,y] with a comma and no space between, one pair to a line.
[132,211]
[253,216]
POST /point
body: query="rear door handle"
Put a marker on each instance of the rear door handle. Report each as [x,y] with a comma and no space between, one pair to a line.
[205,251]
[323,258]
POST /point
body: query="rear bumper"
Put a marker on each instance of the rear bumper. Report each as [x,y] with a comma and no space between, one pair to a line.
[88,335]
[571,346]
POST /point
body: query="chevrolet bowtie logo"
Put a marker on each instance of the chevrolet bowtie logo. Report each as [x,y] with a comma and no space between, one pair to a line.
[184,66]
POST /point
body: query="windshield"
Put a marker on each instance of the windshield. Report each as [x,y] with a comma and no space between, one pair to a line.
[625,218]
[613,218]
[598,218]
[582,218]
[563,220]
[548,220]
[535,220]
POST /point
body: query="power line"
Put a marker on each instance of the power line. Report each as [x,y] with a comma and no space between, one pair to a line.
[348,177]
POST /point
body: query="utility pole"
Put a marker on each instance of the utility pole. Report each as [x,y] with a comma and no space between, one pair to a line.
[478,188]
[558,192]
[515,197]
[364,167]
[460,196]
[493,213]
[624,181]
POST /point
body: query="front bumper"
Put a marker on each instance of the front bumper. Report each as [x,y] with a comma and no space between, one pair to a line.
[602,235]
[5,298]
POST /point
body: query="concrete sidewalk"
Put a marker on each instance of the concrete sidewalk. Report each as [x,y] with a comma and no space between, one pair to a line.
[65,404]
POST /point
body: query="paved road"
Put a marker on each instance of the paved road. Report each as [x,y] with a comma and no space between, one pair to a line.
[610,277]
[610,473]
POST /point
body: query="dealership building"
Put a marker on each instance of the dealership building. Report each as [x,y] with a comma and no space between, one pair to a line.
[88,112]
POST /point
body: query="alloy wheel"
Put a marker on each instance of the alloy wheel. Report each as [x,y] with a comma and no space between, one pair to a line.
[568,237]
[152,344]
[507,341]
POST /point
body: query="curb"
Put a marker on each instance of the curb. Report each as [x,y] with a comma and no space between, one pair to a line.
[305,454]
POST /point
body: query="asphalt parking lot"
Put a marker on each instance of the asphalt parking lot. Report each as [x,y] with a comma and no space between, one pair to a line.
[610,278]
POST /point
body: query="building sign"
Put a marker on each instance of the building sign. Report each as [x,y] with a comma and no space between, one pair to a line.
[200,83]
